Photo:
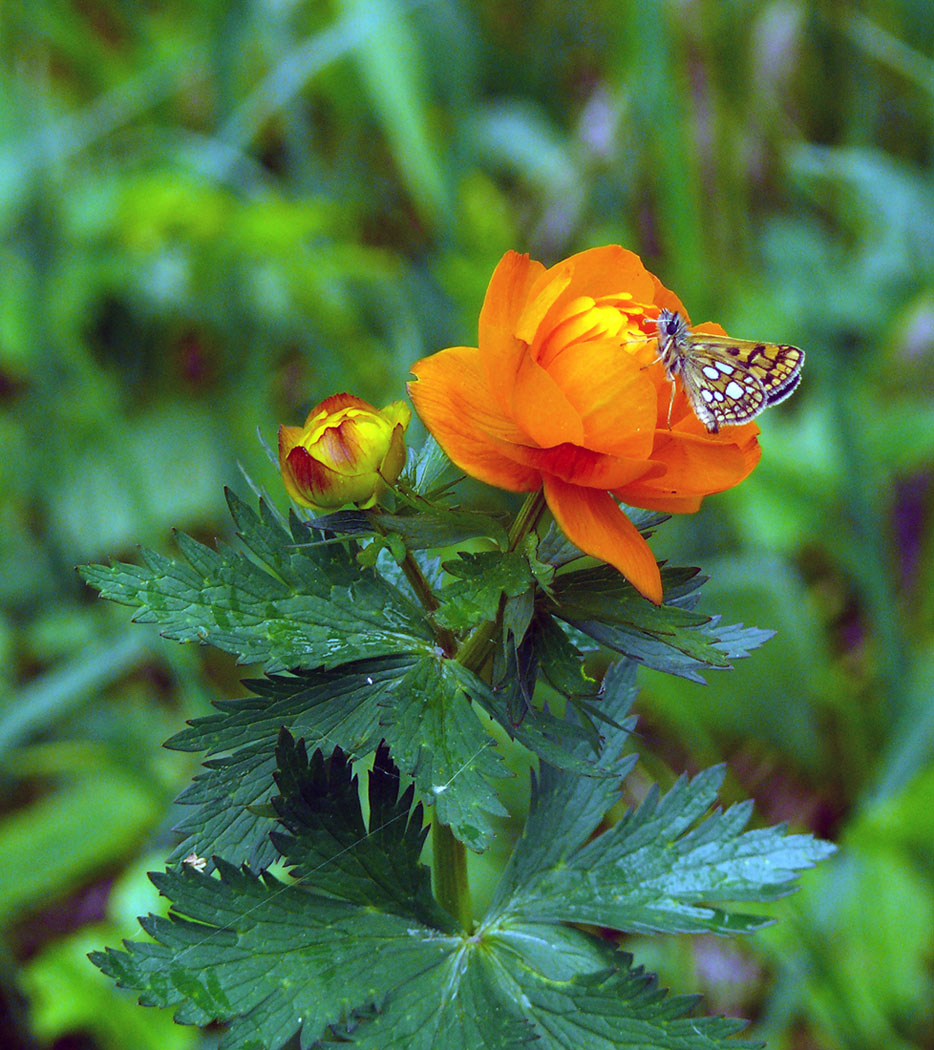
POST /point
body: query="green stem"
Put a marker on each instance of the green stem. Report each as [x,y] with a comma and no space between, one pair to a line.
[529,514]
[426,596]
[449,875]
[449,865]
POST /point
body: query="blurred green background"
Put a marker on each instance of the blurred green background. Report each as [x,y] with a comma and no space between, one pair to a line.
[215,213]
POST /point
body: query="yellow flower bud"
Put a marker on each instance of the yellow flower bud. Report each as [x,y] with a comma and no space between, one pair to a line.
[347,452]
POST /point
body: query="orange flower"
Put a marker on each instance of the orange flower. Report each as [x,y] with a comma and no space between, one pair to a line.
[564,392]
[347,452]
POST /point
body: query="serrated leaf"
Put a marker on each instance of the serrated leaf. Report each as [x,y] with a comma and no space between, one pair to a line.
[289,605]
[435,736]
[268,959]
[615,1008]
[271,961]
[419,704]
[329,846]
[553,739]
[671,637]
[328,708]
[482,580]
[667,866]
[664,868]
[566,807]
[430,469]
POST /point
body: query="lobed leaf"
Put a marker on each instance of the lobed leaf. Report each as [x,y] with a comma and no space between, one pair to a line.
[672,637]
[356,950]
[669,866]
[420,704]
[292,604]
[482,580]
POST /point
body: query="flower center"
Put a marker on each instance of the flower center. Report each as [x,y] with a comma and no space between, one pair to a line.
[613,317]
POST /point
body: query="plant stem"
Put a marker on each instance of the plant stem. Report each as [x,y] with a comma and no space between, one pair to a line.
[449,875]
[449,865]
[527,518]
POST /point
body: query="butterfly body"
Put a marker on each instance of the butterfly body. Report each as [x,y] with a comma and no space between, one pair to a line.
[727,381]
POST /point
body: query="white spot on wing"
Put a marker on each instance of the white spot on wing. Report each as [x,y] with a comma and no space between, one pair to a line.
[710,372]
[734,390]
[707,395]
[725,368]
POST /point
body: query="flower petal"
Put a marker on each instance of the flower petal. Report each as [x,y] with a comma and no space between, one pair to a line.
[501,349]
[598,272]
[335,403]
[289,437]
[592,521]
[702,464]
[506,296]
[452,398]
[584,467]
[541,408]
[613,393]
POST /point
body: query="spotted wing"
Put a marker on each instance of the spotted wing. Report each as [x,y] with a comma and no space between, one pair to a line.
[722,391]
[777,366]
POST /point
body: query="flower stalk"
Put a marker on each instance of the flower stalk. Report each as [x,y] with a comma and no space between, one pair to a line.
[449,855]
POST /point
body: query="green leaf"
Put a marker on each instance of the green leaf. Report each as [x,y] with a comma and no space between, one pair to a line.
[617,1008]
[436,737]
[356,949]
[421,705]
[664,867]
[482,579]
[671,637]
[515,670]
[293,604]
[429,470]
[328,844]
[428,525]
[329,708]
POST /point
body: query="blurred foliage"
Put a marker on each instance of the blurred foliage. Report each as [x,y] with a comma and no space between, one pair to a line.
[215,213]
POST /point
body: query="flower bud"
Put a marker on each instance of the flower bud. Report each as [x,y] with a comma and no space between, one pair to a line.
[347,452]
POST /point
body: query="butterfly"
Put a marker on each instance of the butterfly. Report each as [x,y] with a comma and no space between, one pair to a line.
[726,381]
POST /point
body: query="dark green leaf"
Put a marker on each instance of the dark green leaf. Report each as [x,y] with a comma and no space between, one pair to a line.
[290,605]
[669,865]
[482,580]
[671,637]
[436,736]
[328,845]
[328,708]
[419,704]
[429,470]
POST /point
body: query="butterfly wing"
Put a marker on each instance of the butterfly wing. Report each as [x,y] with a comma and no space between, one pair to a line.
[777,366]
[722,391]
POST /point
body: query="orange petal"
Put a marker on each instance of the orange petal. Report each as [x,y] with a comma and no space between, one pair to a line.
[597,272]
[614,395]
[454,403]
[672,503]
[506,297]
[592,521]
[546,291]
[542,410]
[699,464]
[586,468]
[607,271]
